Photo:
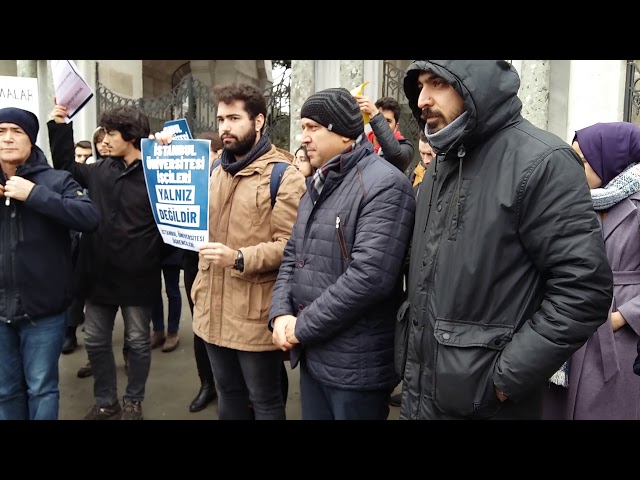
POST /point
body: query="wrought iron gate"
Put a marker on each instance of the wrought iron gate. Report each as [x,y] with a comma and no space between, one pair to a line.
[191,99]
[392,87]
[632,94]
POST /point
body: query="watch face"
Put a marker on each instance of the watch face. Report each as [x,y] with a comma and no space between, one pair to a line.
[239,265]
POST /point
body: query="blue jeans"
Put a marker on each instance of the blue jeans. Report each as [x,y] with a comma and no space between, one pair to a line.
[320,402]
[247,377]
[171,275]
[98,340]
[29,353]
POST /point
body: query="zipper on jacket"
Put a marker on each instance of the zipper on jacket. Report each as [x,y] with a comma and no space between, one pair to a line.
[461,153]
[341,240]
[9,266]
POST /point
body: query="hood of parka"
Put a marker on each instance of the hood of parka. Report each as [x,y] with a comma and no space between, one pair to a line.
[489,89]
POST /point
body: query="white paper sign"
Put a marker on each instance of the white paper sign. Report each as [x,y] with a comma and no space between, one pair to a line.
[20,92]
[69,87]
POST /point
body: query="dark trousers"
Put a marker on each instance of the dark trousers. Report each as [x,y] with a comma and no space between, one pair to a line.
[321,402]
[98,333]
[202,361]
[171,275]
[199,348]
[247,377]
[75,313]
[203,364]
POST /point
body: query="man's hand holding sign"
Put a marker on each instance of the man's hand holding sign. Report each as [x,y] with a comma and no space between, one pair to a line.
[215,253]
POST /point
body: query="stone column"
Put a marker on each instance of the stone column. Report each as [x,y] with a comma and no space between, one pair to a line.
[302,85]
[351,73]
[27,68]
[86,121]
[45,100]
[534,91]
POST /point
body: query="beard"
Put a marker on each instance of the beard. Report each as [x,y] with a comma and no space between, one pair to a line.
[242,145]
[434,121]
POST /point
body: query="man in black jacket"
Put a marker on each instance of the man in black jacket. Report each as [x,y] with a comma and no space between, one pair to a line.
[340,282]
[40,207]
[388,141]
[508,274]
[122,258]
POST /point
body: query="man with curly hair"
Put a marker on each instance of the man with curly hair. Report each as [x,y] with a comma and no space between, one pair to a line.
[122,257]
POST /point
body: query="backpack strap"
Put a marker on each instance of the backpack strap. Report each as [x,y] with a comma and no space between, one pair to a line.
[214,165]
[276,177]
[274,183]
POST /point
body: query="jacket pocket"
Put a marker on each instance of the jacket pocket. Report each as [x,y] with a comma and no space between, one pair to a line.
[401,338]
[465,356]
[251,294]
[201,289]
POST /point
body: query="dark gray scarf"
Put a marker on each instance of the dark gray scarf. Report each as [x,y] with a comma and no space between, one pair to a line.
[229,163]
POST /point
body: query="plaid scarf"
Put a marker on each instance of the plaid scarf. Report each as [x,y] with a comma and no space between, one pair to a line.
[561,377]
[335,164]
[624,184]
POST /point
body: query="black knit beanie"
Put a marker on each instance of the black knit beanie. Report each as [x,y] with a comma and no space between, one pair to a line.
[335,109]
[23,118]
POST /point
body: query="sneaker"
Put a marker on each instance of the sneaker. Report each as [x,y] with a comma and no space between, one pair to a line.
[112,412]
[132,410]
[85,371]
[395,400]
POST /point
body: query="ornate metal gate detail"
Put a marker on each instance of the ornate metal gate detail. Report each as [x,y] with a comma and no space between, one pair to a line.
[392,87]
[632,93]
[190,99]
[278,115]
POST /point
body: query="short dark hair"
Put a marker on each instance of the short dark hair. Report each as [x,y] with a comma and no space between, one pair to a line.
[130,121]
[390,103]
[216,143]
[254,101]
[83,144]
[423,137]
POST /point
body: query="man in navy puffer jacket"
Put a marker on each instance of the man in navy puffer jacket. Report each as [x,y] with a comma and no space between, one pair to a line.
[340,282]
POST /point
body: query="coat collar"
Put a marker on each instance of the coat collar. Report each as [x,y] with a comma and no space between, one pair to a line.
[616,215]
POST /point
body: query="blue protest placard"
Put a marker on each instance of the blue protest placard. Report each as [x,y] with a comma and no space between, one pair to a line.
[179,128]
[177,177]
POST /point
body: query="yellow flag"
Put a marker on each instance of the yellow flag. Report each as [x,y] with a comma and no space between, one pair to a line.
[359,90]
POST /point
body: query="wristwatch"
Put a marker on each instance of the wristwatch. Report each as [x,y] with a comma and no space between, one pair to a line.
[239,265]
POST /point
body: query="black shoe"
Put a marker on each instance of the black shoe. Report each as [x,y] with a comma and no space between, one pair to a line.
[131,410]
[395,400]
[112,412]
[70,343]
[85,371]
[206,395]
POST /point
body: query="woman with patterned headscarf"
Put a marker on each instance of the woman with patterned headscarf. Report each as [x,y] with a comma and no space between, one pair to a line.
[598,381]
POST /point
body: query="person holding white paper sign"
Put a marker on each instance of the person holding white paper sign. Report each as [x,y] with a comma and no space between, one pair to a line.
[123,257]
